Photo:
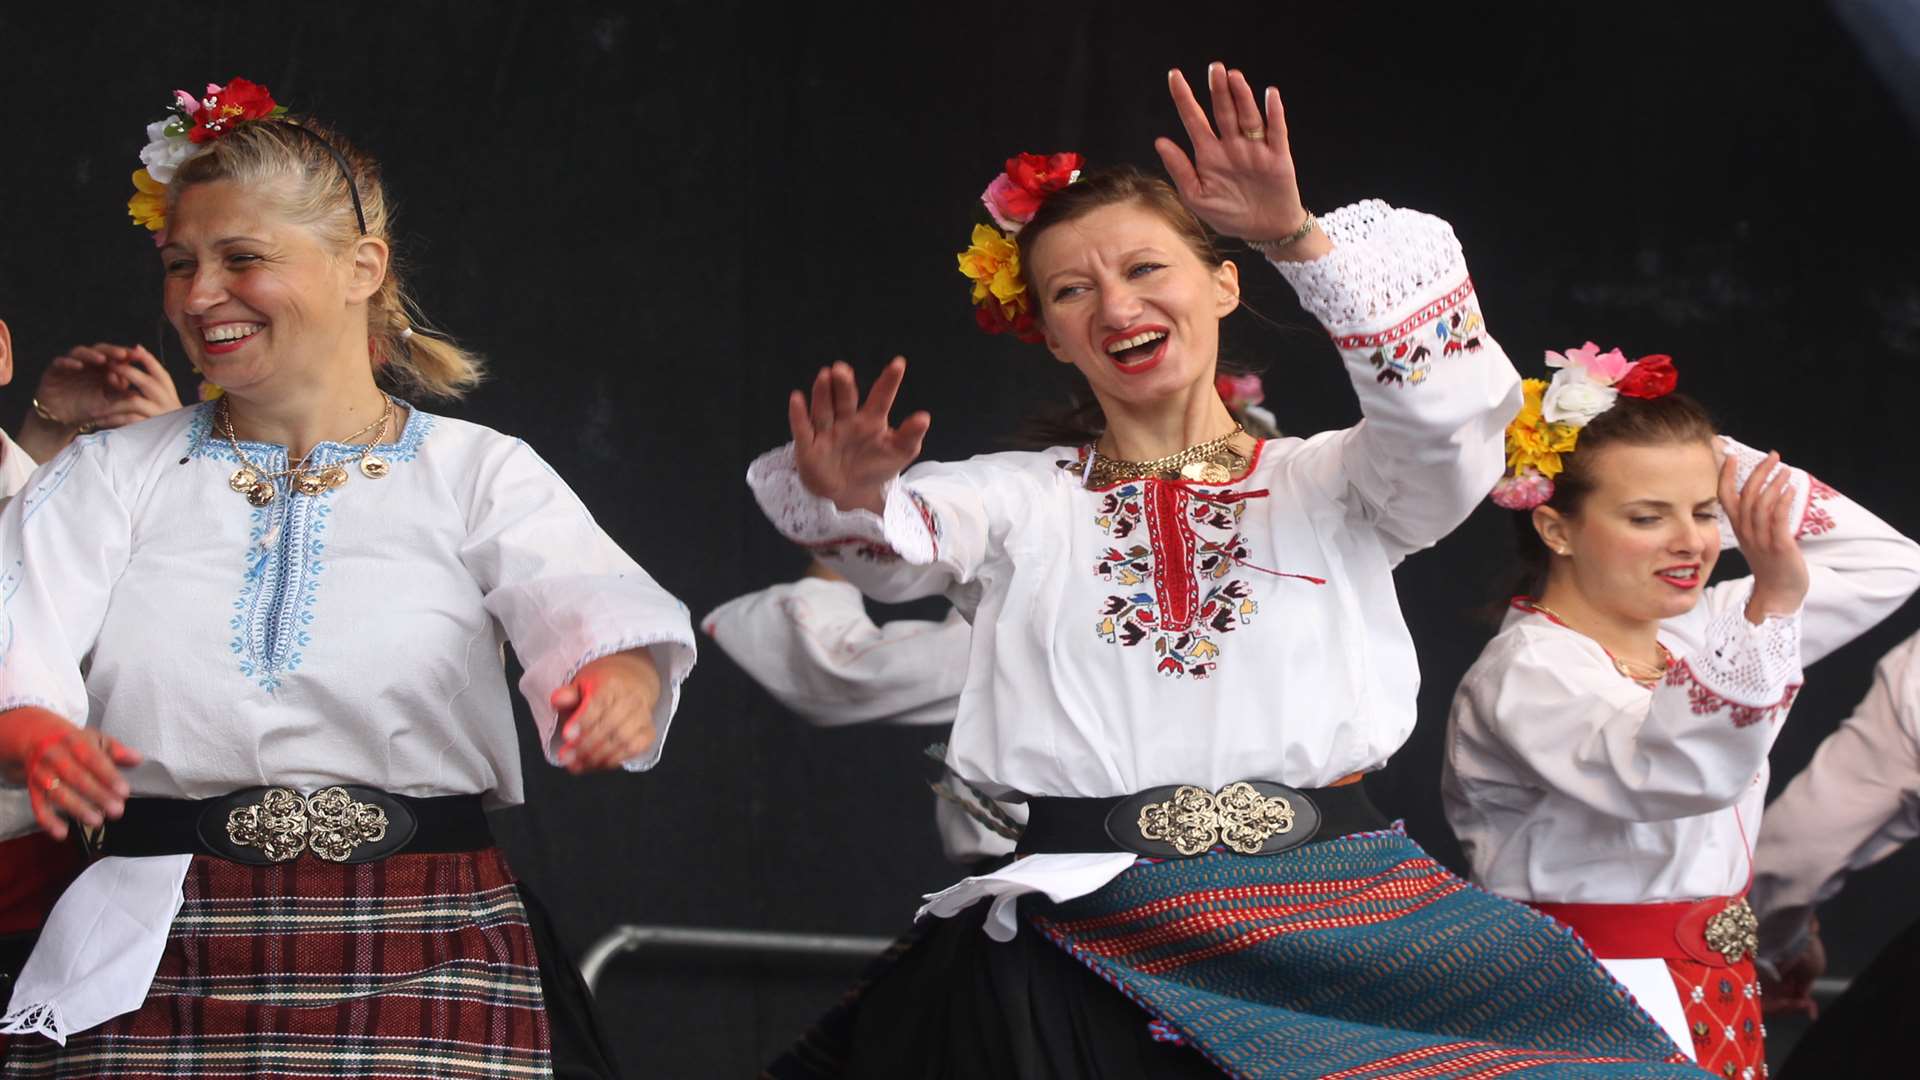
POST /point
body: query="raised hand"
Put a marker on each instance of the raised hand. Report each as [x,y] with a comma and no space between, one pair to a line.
[70,772]
[845,450]
[1240,179]
[606,712]
[104,386]
[1761,515]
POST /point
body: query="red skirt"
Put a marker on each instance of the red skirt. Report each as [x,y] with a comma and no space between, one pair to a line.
[1719,996]
[412,966]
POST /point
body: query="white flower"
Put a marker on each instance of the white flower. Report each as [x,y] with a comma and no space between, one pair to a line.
[1575,398]
[164,151]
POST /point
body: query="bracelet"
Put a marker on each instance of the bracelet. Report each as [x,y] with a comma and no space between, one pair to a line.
[1270,248]
[41,411]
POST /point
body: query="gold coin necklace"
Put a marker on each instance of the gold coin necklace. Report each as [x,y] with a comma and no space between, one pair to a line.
[257,483]
[1212,462]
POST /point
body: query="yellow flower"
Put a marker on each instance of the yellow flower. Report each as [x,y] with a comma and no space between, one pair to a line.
[1531,440]
[149,203]
[993,265]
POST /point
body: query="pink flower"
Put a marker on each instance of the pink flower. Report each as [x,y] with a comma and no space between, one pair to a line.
[1522,492]
[1605,368]
[1016,194]
[186,102]
[1240,391]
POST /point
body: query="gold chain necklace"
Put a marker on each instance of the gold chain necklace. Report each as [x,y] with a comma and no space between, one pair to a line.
[257,483]
[1212,462]
[1645,674]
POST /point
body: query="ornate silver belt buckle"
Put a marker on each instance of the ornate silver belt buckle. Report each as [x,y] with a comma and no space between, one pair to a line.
[331,823]
[1249,817]
[1734,931]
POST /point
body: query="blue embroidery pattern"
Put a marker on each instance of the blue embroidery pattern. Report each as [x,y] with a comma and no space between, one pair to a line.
[9,584]
[286,543]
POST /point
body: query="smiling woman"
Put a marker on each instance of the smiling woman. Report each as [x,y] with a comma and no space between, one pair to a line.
[260,642]
[1607,755]
[1186,650]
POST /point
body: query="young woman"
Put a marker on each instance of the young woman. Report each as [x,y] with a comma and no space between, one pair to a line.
[1186,646]
[1606,756]
[259,641]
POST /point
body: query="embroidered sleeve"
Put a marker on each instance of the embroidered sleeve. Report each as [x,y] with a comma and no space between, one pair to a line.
[1747,673]
[565,593]
[813,647]
[64,540]
[930,537]
[1860,569]
[1857,802]
[1436,389]
[1556,708]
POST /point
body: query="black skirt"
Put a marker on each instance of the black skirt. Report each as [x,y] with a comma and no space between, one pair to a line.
[959,1005]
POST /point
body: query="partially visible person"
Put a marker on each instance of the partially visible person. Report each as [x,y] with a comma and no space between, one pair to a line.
[811,644]
[94,388]
[1856,802]
[1606,756]
[88,388]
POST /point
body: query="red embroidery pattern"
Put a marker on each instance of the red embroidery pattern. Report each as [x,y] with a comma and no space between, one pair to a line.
[1705,701]
[1818,520]
[1178,594]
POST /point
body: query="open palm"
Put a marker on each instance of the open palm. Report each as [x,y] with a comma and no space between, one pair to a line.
[845,450]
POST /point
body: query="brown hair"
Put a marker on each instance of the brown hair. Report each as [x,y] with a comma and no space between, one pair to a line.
[293,170]
[1084,421]
[1630,421]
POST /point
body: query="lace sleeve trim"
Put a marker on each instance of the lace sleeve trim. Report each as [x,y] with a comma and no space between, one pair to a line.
[799,514]
[1384,262]
[1750,672]
[908,527]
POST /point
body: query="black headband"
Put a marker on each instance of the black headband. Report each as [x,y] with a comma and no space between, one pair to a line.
[339,159]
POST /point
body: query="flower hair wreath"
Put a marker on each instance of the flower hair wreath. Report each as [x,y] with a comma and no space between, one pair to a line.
[992,261]
[188,130]
[1552,415]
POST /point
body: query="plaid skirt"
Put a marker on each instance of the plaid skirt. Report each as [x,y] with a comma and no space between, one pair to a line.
[412,966]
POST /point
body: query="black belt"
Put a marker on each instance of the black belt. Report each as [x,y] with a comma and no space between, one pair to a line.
[266,825]
[1251,817]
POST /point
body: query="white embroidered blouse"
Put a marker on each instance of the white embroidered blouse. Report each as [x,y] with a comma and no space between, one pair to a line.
[1568,782]
[354,637]
[16,813]
[1161,632]
[811,644]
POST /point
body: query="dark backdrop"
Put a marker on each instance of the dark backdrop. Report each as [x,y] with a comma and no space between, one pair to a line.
[657,219]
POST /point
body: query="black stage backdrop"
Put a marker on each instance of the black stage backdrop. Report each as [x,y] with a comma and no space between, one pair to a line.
[655,220]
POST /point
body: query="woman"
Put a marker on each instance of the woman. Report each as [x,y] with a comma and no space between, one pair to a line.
[1607,755]
[1178,604]
[292,603]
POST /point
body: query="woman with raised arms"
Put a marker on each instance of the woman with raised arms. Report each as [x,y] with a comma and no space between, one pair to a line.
[1187,650]
[1607,755]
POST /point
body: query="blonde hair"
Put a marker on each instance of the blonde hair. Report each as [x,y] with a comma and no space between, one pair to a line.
[292,169]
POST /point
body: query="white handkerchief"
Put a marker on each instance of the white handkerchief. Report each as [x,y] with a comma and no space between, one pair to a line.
[101,946]
[1061,877]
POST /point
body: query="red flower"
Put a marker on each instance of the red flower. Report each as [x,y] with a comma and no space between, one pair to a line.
[226,107]
[1015,195]
[1651,377]
[994,321]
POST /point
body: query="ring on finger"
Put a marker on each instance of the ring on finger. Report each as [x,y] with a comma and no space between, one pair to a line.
[1254,133]
[50,784]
